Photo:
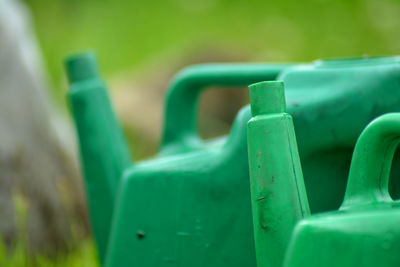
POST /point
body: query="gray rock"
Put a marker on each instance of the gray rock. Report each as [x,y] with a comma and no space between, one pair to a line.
[37,160]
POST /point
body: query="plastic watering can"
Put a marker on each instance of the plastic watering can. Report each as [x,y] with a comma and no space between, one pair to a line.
[190,205]
[365,231]
[331,101]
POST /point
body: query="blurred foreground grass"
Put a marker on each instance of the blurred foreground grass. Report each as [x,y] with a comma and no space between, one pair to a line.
[83,254]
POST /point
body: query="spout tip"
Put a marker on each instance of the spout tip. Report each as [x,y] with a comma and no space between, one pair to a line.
[267,98]
[81,67]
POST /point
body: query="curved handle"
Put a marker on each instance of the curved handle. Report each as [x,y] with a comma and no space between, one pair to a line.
[372,159]
[181,100]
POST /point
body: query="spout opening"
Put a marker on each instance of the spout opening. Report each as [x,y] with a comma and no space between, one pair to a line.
[81,67]
[267,98]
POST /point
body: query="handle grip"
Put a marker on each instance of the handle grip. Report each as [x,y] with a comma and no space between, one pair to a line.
[180,124]
[371,163]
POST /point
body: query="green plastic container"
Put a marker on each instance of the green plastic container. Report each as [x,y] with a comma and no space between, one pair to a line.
[180,207]
[190,204]
[365,231]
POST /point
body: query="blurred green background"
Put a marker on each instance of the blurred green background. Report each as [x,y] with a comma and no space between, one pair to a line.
[126,33]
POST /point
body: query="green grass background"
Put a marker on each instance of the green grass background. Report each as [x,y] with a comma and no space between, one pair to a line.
[18,255]
[126,33]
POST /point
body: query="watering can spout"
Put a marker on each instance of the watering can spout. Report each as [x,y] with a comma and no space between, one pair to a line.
[81,68]
[278,192]
[103,150]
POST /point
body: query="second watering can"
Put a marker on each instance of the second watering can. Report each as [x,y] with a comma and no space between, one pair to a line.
[365,231]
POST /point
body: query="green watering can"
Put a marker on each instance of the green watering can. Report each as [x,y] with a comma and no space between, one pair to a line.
[365,231]
[190,205]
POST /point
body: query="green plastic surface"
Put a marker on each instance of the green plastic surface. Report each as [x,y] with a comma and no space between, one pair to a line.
[190,205]
[104,153]
[156,188]
[180,123]
[365,231]
[278,193]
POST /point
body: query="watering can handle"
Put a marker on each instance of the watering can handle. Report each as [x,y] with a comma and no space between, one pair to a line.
[182,97]
[371,163]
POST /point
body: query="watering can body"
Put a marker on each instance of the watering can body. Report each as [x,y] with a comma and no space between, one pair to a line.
[365,231]
[359,238]
[196,212]
[176,207]
[191,203]
[331,101]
